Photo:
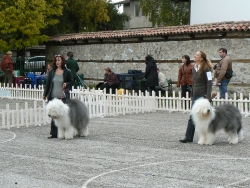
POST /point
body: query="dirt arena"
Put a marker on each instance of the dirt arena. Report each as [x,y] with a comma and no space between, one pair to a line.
[131,151]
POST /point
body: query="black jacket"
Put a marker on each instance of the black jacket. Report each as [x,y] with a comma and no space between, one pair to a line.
[67,78]
[151,73]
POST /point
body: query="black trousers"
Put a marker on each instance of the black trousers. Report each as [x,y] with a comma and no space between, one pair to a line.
[184,90]
[191,127]
[190,130]
[99,85]
[53,128]
[152,88]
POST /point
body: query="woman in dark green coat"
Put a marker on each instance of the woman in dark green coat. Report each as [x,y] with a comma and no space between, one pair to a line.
[72,65]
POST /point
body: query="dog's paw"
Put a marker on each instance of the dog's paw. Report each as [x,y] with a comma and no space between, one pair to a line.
[69,138]
[209,143]
[233,142]
[84,135]
[201,142]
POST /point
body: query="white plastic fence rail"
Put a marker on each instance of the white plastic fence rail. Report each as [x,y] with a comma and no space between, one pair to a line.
[22,93]
[101,104]
[25,116]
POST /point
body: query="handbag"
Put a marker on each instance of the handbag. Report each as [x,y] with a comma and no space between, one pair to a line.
[215,67]
[229,74]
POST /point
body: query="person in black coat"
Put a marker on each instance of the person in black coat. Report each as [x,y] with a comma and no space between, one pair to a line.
[58,85]
[151,73]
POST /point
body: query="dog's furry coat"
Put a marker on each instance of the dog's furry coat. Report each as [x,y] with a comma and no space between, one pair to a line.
[70,117]
[208,120]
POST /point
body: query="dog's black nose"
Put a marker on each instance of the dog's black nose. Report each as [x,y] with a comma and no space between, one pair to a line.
[208,110]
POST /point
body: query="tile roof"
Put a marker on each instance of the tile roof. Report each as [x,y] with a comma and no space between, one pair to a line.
[242,26]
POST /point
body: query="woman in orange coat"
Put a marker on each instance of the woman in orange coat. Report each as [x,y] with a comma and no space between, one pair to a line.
[185,77]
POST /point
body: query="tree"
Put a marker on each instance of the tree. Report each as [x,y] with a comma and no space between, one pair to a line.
[22,20]
[82,15]
[116,21]
[87,15]
[166,12]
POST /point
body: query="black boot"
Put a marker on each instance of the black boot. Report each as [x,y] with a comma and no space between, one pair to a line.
[189,132]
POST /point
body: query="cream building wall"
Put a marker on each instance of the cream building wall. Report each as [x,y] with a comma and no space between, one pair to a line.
[139,21]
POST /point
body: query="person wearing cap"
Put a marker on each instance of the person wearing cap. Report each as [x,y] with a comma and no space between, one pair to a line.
[7,68]
[111,80]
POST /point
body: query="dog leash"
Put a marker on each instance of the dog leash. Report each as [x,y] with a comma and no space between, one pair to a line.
[64,95]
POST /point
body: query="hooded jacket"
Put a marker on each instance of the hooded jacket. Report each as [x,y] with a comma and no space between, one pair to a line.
[151,73]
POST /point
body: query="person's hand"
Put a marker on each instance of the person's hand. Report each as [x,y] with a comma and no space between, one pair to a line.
[44,97]
[64,85]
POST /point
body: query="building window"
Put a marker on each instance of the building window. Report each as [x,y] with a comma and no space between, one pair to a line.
[137,10]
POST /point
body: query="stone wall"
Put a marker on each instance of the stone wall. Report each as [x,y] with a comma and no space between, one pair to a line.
[123,56]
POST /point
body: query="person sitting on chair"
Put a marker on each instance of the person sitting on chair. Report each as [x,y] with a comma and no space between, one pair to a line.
[163,84]
[111,81]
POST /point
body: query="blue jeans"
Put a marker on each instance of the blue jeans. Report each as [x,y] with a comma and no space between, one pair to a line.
[191,128]
[223,88]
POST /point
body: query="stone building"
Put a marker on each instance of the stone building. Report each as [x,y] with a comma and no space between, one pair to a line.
[126,49]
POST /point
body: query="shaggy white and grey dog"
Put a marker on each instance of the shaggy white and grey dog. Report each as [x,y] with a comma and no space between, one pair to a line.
[71,118]
[208,120]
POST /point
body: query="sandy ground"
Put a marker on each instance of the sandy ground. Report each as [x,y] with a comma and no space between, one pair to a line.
[132,151]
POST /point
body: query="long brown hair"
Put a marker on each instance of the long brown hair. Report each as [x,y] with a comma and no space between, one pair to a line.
[204,64]
[54,61]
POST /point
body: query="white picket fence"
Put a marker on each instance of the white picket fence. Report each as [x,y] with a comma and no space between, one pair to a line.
[23,116]
[101,104]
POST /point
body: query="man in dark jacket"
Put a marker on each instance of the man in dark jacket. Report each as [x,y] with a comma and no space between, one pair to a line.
[72,65]
[151,73]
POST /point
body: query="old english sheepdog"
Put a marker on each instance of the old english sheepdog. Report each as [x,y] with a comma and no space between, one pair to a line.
[71,118]
[208,120]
